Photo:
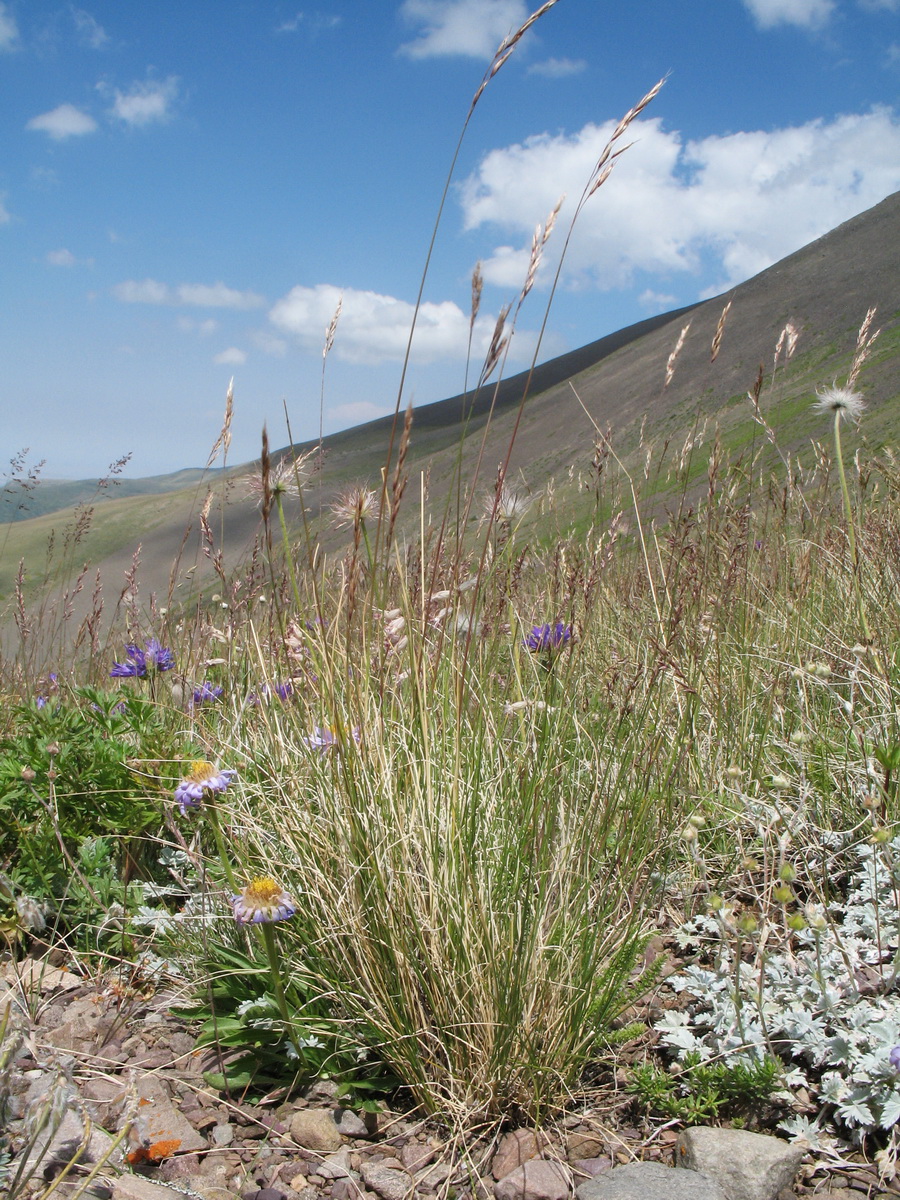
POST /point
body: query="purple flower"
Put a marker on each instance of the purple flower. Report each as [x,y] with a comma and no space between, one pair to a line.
[203,779]
[894,1058]
[141,663]
[261,901]
[547,637]
[325,737]
[281,691]
[53,687]
[206,692]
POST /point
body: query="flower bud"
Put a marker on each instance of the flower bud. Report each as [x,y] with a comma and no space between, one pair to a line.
[796,923]
[28,774]
[787,874]
[782,894]
[881,835]
[53,748]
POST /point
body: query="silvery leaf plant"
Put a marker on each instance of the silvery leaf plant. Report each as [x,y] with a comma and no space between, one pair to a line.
[823,997]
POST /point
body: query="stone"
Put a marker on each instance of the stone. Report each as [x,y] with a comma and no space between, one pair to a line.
[136,1187]
[335,1166]
[314,1129]
[431,1178]
[747,1166]
[104,1096]
[388,1182]
[158,1120]
[649,1181]
[223,1135]
[351,1125]
[345,1189]
[536,1179]
[214,1193]
[35,973]
[515,1149]
[59,1145]
[416,1155]
[584,1145]
[592,1166]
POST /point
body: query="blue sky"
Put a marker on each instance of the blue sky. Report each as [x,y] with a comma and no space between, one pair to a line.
[188,187]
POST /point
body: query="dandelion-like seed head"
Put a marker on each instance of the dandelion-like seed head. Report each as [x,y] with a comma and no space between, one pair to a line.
[203,779]
[355,506]
[842,401]
[261,901]
[510,506]
[286,479]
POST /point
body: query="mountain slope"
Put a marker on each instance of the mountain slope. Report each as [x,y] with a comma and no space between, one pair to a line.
[824,290]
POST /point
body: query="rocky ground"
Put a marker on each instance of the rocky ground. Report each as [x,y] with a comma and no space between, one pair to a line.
[118,1084]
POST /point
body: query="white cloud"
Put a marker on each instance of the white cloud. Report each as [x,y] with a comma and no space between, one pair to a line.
[876,5]
[145,102]
[374,328]
[733,204]
[9,31]
[231,357]
[314,22]
[656,302]
[5,217]
[216,295]
[474,28]
[557,68]
[61,258]
[90,31]
[200,295]
[63,122]
[808,14]
[149,291]
[344,416]
[204,328]
[269,343]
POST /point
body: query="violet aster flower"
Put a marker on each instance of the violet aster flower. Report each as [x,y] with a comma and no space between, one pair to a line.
[141,663]
[269,691]
[206,692]
[894,1058]
[325,737]
[201,781]
[262,901]
[547,637]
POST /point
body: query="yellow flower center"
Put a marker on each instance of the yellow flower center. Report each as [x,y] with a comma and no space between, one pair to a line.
[262,891]
[201,771]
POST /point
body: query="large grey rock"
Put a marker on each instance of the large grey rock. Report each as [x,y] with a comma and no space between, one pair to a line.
[388,1182]
[314,1129]
[650,1181]
[536,1179]
[747,1166]
[158,1120]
